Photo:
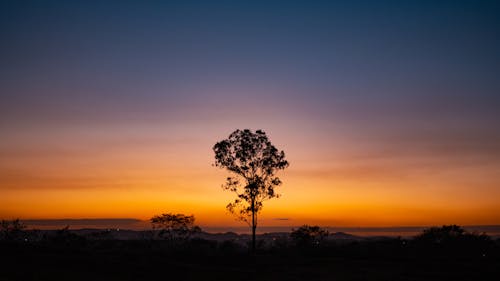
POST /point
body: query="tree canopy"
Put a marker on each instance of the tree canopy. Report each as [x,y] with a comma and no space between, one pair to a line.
[253,162]
[175,226]
[308,235]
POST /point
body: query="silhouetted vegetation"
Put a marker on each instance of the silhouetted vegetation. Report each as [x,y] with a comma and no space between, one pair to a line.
[449,234]
[254,162]
[306,236]
[175,227]
[64,236]
[102,255]
[452,240]
[11,230]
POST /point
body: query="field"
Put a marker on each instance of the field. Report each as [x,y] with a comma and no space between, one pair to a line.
[380,259]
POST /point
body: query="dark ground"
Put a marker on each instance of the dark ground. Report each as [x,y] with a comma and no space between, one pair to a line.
[391,259]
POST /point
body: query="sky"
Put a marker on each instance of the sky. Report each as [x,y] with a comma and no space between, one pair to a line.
[388,111]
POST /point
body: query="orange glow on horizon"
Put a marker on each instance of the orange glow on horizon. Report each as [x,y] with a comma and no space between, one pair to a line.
[338,188]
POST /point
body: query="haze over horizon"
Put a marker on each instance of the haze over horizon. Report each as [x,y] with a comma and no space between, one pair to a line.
[388,112]
[121,224]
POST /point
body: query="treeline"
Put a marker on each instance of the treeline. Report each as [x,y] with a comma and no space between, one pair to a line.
[187,253]
[177,232]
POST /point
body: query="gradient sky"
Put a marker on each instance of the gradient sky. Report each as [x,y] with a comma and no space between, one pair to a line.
[388,111]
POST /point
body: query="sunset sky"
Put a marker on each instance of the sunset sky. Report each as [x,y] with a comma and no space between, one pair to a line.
[388,111]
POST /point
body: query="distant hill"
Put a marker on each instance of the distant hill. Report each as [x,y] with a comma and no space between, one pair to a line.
[343,236]
[337,232]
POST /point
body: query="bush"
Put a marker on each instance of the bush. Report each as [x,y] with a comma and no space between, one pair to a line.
[308,235]
[11,230]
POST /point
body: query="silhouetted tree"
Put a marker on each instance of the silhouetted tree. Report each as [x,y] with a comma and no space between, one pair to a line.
[441,234]
[308,235]
[254,161]
[449,233]
[175,226]
[11,230]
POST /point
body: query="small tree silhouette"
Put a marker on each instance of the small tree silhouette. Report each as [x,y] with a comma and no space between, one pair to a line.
[449,234]
[453,240]
[441,234]
[11,230]
[175,226]
[308,235]
[253,161]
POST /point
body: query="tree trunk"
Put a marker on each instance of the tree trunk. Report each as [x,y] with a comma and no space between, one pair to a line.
[254,226]
[253,238]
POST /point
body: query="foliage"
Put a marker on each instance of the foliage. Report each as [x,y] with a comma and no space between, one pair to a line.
[175,226]
[253,161]
[308,235]
[11,230]
[448,234]
[65,236]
